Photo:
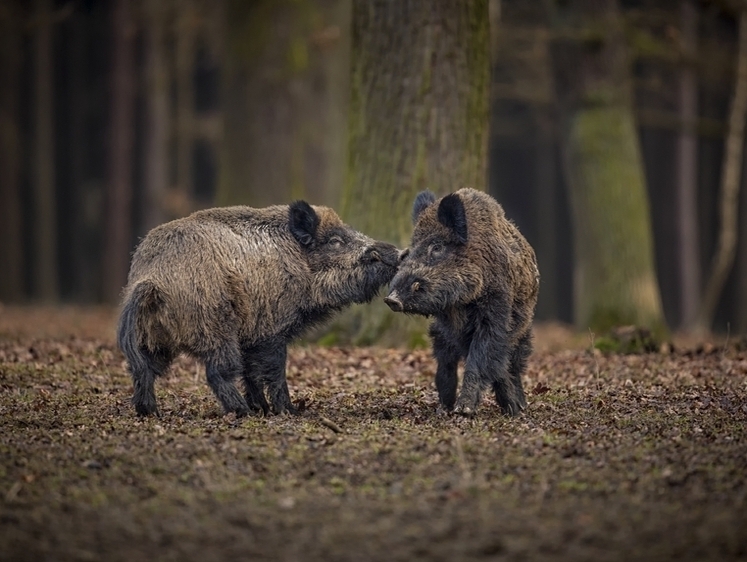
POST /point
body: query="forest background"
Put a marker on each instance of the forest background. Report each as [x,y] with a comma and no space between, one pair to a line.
[611,132]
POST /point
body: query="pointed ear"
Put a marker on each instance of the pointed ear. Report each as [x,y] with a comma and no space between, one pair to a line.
[451,214]
[303,222]
[422,200]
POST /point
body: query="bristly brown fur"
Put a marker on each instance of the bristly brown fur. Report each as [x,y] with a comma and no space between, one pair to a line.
[471,269]
[232,286]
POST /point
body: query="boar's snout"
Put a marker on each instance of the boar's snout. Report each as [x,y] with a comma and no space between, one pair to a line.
[381,252]
[393,302]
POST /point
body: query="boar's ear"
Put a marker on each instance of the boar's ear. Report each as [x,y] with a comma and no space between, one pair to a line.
[303,222]
[451,214]
[422,200]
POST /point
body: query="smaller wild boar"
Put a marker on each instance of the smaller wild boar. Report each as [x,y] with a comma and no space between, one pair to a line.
[233,286]
[470,268]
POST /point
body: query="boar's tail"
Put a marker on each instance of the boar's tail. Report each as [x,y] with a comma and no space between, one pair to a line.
[142,303]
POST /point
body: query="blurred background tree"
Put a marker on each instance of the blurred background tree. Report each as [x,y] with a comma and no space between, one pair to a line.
[418,120]
[116,115]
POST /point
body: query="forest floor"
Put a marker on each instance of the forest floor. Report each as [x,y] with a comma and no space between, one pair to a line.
[639,457]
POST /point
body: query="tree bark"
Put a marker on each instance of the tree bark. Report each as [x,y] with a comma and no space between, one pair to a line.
[418,120]
[185,99]
[687,173]
[615,279]
[45,219]
[11,250]
[284,98]
[157,114]
[419,108]
[118,236]
[730,183]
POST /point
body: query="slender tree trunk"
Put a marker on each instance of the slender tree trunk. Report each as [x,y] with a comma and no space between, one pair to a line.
[157,114]
[687,173]
[185,96]
[118,234]
[730,182]
[284,100]
[418,120]
[615,279]
[45,220]
[11,250]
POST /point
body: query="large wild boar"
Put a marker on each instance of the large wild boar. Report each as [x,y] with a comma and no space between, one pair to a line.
[470,268]
[233,286]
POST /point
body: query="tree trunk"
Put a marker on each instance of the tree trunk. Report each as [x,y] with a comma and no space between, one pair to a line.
[157,114]
[11,250]
[730,181]
[45,219]
[418,119]
[419,108]
[284,83]
[615,279]
[118,236]
[687,173]
[185,99]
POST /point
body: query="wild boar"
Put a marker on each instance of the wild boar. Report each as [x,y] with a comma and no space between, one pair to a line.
[470,268]
[232,287]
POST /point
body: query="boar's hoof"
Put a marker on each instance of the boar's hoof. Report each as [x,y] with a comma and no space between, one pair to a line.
[465,410]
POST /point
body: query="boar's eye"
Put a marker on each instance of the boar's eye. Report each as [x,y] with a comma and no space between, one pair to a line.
[335,242]
[416,287]
[436,250]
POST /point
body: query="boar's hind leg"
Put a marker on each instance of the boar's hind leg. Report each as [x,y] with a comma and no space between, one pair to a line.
[447,354]
[221,369]
[145,368]
[519,358]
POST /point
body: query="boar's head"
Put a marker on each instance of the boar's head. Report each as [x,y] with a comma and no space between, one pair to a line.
[438,271]
[345,265]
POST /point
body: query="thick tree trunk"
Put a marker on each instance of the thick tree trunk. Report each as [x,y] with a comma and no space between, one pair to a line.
[730,182]
[418,120]
[118,235]
[157,115]
[615,279]
[45,219]
[419,108]
[11,250]
[687,174]
[284,98]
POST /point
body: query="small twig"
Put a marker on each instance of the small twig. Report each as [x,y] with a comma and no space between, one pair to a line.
[13,492]
[330,424]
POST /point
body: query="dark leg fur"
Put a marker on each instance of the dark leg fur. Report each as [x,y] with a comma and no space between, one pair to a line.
[487,364]
[254,388]
[447,354]
[144,373]
[518,364]
[265,365]
[222,368]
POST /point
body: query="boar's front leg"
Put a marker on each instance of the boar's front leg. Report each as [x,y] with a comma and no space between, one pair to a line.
[268,369]
[446,351]
[222,367]
[254,387]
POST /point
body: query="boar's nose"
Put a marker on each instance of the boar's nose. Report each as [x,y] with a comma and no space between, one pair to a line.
[383,252]
[393,302]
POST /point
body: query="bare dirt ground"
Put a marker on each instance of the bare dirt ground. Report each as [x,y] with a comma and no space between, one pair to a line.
[617,457]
